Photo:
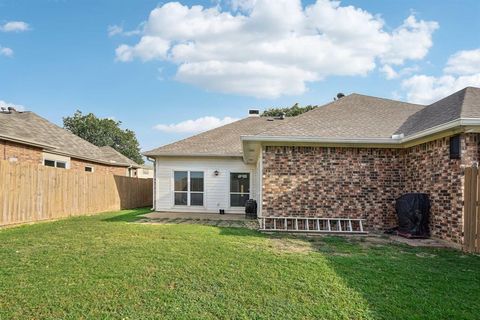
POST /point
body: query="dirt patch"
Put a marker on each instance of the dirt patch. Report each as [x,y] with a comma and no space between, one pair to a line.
[425,255]
[291,245]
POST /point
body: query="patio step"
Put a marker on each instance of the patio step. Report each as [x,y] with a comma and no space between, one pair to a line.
[312,225]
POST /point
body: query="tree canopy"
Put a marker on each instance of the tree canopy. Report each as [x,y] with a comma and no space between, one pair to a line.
[292,111]
[104,132]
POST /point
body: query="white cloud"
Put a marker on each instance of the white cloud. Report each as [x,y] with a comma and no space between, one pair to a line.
[114,30]
[195,126]
[411,41]
[464,62]
[427,89]
[15,26]
[242,5]
[268,48]
[148,48]
[391,73]
[6,105]
[7,52]
[462,70]
[250,78]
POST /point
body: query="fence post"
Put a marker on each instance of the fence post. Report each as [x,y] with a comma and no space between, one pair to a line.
[470,209]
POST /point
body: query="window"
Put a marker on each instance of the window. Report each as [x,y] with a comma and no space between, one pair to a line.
[188,188]
[88,169]
[49,163]
[239,189]
[62,165]
[455,147]
[55,164]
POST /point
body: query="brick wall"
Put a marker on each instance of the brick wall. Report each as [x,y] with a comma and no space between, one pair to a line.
[326,182]
[76,164]
[429,169]
[364,182]
[22,153]
[27,154]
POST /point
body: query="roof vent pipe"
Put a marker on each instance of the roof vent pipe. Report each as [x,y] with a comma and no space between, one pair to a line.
[254,113]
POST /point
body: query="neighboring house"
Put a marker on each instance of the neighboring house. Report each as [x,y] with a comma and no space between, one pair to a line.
[145,172]
[26,137]
[350,158]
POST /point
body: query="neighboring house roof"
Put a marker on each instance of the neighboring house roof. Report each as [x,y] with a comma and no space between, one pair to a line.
[354,118]
[221,141]
[29,128]
[114,156]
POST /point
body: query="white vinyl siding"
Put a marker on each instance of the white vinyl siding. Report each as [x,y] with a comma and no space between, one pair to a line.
[217,187]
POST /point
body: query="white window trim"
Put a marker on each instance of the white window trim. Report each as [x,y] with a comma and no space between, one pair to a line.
[91,167]
[230,193]
[67,163]
[188,192]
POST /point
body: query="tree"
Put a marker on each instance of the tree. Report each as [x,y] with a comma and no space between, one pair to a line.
[293,111]
[104,132]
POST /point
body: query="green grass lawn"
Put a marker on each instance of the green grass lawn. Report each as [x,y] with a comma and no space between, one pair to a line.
[105,267]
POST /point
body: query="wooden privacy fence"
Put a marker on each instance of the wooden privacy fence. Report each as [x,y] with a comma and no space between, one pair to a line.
[32,193]
[471,218]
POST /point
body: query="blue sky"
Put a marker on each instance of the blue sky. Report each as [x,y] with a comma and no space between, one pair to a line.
[57,56]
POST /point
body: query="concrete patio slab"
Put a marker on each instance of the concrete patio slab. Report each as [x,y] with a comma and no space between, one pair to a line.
[211,219]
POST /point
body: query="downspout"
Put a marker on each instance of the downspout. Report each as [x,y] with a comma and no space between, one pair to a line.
[154,183]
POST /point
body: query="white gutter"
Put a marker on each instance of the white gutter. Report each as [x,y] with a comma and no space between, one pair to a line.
[317,139]
[436,129]
[212,155]
[27,142]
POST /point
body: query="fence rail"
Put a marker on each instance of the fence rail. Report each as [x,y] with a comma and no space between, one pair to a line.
[471,216]
[32,193]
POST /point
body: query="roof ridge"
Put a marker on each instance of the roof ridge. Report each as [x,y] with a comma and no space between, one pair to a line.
[386,99]
[197,135]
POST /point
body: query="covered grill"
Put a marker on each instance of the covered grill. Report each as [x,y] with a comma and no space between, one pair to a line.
[413,211]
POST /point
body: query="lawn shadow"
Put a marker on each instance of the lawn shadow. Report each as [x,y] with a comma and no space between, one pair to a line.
[241,231]
[129,215]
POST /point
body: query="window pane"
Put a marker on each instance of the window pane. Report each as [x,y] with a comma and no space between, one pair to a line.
[49,163]
[238,200]
[61,165]
[88,169]
[181,180]
[240,182]
[196,181]
[180,198]
[196,199]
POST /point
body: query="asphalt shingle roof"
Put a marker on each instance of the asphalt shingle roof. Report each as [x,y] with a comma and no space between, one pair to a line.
[28,126]
[222,141]
[112,155]
[351,117]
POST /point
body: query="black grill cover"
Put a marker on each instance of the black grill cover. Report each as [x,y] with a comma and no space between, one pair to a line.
[251,209]
[413,211]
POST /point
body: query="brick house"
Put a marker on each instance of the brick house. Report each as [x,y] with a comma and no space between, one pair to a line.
[350,158]
[26,137]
